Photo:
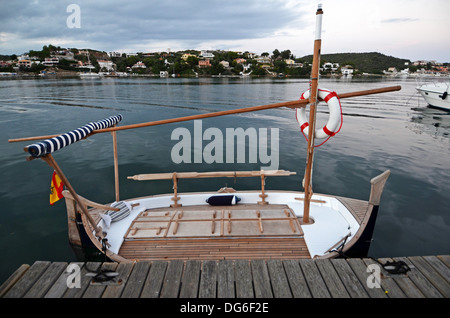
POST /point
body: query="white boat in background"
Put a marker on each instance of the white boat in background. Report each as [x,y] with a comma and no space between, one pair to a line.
[436,94]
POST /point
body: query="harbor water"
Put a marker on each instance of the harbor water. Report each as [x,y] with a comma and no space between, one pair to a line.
[395,131]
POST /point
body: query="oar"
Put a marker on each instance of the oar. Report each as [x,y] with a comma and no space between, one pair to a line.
[289,104]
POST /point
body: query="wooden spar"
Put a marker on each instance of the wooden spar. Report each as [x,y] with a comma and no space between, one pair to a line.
[116,165]
[48,158]
[291,104]
[312,115]
[217,174]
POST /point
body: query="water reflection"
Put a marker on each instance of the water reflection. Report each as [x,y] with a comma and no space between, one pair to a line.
[432,121]
[386,131]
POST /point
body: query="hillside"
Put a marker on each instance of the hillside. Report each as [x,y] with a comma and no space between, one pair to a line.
[372,62]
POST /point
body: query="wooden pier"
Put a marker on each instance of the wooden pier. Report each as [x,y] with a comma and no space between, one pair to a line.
[428,277]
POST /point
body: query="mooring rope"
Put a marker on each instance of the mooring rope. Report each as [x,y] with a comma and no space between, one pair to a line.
[51,145]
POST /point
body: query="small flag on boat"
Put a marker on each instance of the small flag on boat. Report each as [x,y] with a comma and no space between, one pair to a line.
[56,188]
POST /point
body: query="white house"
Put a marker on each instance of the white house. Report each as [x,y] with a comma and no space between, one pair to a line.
[50,61]
[206,54]
[139,65]
[114,54]
[345,70]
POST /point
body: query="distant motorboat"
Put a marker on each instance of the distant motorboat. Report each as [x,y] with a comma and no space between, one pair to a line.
[436,94]
[89,75]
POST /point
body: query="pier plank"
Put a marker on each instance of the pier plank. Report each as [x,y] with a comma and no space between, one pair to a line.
[153,284]
[225,279]
[13,279]
[61,284]
[349,279]
[97,290]
[280,285]
[314,279]
[331,279]
[296,279]
[136,280]
[404,282]
[115,291]
[439,265]
[261,280]
[360,269]
[432,276]
[78,292]
[388,284]
[244,284]
[28,279]
[191,277]
[172,279]
[420,280]
[208,280]
[242,278]
[47,279]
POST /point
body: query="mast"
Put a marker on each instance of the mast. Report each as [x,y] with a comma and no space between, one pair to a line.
[313,100]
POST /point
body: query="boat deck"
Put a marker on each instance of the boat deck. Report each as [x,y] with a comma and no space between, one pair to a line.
[208,232]
[205,232]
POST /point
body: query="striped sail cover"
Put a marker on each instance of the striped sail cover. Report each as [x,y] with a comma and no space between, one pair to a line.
[50,145]
[119,215]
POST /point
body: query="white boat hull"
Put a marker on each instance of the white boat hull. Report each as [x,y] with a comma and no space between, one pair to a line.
[436,94]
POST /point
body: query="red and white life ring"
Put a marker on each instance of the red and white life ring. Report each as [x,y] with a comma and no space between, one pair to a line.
[334,105]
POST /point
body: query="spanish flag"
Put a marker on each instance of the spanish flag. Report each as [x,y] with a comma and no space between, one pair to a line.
[56,188]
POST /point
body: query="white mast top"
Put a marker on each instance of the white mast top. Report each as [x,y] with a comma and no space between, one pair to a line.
[319,22]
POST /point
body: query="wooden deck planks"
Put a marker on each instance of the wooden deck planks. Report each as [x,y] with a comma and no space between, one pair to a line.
[241,278]
[215,249]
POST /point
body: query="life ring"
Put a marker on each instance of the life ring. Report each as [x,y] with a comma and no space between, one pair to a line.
[333,125]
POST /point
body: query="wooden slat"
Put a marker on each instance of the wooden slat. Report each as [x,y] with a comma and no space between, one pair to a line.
[172,279]
[242,278]
[208,280]
[360,269]
[115,291]
[225,279]
[261,280]
[244,285]
[278,279]
[332,279]
[314,279]
[46,281]
[425,286]
[404,282]
[388,284]
[351,282]
[136,280]
[153,284]
[184,249]
[13,279]
[28,280]
[191,277]
[297,281]
[432,275]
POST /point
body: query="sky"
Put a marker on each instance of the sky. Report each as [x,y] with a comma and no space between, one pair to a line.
[410,29]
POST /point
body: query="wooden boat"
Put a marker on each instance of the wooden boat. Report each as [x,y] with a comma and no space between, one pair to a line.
[223,224]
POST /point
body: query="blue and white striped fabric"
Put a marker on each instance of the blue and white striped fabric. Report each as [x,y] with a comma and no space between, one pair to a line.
[50,145]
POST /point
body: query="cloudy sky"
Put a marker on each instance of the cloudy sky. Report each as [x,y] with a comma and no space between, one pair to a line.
[410,29]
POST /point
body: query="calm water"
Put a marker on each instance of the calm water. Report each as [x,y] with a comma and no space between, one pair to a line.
[394,131]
